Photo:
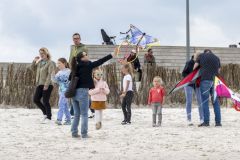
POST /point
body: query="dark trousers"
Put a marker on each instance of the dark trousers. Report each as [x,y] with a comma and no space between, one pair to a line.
[45,96]
[126,106]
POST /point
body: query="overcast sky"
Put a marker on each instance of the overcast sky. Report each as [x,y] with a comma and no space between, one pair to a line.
[27,25]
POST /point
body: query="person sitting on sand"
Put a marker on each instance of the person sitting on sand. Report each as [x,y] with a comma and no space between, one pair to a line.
[44,68]
[61,78]
[99,97]
[156,99]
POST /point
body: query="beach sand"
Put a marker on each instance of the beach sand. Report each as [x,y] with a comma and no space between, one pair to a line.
[22,137]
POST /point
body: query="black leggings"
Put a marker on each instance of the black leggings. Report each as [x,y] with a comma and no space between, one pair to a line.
[126,106]
[45,96]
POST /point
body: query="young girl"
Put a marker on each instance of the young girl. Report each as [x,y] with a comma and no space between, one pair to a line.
[61,78]
[99,97]
[156,100]
[127,93]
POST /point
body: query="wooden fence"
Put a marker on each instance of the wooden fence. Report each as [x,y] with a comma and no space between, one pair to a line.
[18,87]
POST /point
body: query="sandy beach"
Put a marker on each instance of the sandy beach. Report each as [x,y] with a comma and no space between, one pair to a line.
[24,138]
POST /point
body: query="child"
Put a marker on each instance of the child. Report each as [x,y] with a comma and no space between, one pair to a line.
[98,97]
[156,100]
[61,78]
[127,93]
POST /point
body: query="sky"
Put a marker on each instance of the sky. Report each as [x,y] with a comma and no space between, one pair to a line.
[27,25]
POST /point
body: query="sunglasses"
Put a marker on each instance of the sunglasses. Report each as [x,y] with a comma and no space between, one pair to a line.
[99,74]
[76,38]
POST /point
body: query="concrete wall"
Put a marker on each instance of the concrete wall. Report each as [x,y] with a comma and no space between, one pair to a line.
[167,56]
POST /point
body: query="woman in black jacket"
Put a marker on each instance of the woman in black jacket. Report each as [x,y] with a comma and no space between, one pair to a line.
[189,92]
[82,67]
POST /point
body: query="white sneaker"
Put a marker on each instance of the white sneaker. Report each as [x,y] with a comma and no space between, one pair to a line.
[43,119]
[46,121]
[189,123]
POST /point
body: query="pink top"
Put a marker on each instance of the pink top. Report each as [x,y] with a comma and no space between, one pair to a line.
[97,94]
[156,95]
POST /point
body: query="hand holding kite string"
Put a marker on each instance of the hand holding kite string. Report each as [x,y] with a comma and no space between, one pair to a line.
[134,40]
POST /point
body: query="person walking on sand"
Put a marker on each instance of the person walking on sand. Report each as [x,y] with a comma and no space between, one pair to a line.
[61,78]
[82,67]
[127,93]
[156,99]
[99,97]
[189,92]
[210,66]
[44,68]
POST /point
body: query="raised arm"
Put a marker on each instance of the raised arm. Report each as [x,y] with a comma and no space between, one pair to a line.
[101,61]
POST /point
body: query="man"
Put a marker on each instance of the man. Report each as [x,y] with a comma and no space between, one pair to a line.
[77,47]
[149,57]
[209,68]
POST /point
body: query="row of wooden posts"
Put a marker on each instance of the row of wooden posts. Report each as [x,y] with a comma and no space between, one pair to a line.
[17,88]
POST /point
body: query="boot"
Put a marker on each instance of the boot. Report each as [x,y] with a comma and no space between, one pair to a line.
[154,117]
[159,120]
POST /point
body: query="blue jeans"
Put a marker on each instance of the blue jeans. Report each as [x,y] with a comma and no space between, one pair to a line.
[63,108]
[80,106]
[188,93]
[207,89]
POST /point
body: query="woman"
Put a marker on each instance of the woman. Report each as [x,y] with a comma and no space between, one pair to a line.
[189,91]
[44,68]
[82,67]
[136,64]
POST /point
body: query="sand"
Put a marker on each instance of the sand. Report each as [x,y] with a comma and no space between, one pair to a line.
[22,137]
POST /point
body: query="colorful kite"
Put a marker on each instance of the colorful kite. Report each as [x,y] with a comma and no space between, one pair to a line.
[221,90]
[220,87]
[136,37]
[190,79]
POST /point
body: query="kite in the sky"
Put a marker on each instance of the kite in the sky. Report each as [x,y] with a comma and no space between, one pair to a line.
[134,39]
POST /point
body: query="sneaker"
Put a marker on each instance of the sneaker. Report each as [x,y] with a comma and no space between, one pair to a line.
[86,137]
[158,125]
[76,136]
[46,121]
[124,123]
[154,125]
[43,119]
[189,123]
[129,123]
[98,125]
[92,116]
[218,125]
[58,122]
[67,123]
[203,125]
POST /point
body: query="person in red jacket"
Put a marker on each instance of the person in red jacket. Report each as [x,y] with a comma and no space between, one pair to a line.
[156,100]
